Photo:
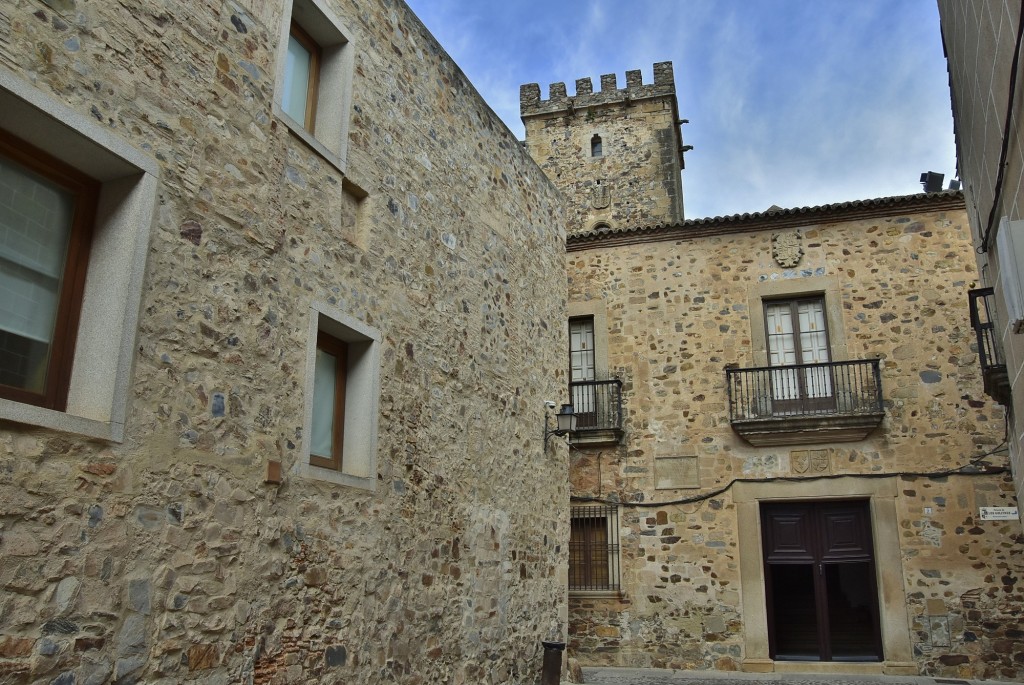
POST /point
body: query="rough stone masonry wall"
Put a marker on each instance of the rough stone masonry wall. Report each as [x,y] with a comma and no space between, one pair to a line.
[975,36]
[636,181]
[166,559]
[678,312]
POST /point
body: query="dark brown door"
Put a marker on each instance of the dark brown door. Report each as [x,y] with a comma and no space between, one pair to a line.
[820,581]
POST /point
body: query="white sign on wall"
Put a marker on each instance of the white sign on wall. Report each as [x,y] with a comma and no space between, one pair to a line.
[998,513]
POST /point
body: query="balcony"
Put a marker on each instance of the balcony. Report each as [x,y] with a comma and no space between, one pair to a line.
[990,354]
[598,408]
[805,403]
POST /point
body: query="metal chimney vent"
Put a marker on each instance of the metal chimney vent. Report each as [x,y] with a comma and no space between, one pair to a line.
[932,181]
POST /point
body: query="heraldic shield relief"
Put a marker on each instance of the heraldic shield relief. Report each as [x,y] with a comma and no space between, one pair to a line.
[787,249]
[810,461]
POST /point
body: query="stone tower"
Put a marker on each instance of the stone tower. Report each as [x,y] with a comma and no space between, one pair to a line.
[616,154]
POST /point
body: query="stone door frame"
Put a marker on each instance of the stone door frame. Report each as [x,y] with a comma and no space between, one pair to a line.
[894,618]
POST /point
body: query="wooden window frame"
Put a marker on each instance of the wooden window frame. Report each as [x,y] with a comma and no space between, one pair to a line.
[339,350]
[325,127]
[86,192]
[592,351]
[584,397]
[313,85]
[804,401]
[794,313]
[594,558]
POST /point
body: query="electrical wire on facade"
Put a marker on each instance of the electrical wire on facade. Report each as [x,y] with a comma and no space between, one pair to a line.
[971,468]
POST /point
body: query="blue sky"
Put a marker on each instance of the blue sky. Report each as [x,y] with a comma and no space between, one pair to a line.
[791,102]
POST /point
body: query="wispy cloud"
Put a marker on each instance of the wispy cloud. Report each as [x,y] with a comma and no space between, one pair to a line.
[791,103]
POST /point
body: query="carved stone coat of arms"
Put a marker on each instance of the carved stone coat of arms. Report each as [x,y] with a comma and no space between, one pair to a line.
[787,249]
[810,461]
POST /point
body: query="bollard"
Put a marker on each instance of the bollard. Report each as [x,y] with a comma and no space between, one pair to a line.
[552,673]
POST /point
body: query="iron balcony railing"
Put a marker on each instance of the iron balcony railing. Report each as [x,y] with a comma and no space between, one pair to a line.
[982,305]
[597,404]
[993,364]
[832,388]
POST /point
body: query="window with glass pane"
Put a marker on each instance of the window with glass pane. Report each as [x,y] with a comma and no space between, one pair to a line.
[798,337]
[45,213]
[594,548]
[328,428]
[301,76]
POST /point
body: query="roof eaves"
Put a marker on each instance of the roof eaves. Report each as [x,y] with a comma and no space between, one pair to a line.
[785,218]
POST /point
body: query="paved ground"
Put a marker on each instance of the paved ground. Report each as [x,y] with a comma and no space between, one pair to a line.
[654,676]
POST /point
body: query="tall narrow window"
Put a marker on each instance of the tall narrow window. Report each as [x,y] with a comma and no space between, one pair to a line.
[46,215]
[595,146]
[582,372]
[594,548]
[301,77]
[328,429]
[342,397]
[798,337]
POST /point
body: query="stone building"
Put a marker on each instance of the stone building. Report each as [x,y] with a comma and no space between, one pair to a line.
[982,42]
[274,413]
[785,459]
[615,153]
[276,407]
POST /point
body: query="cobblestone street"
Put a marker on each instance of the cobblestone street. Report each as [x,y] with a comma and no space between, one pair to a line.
[654,676]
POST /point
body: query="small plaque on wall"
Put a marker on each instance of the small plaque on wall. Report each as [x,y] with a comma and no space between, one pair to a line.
[671,473]
[998,513]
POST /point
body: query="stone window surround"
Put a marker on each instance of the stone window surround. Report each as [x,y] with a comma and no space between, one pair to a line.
[594,309]
[334,90]
[337,350]
[893,614]
[791,288]
[586,134]
[104,347]
[362,398]
[614,564]
[42,245]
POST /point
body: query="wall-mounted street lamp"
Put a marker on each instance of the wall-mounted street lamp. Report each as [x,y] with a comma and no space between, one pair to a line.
[565,423]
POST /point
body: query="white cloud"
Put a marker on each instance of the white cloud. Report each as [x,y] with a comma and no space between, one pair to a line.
[791,103]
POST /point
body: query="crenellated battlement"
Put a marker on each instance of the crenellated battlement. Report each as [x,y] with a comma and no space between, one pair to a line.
[530,103]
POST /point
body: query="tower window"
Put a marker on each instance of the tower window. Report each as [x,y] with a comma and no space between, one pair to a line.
[595,146]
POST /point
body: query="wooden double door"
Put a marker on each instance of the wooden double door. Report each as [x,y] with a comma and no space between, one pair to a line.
[820,581]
